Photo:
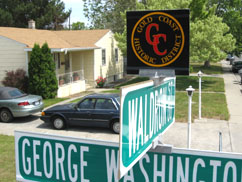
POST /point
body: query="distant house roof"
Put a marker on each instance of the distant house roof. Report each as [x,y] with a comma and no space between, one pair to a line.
[55,39]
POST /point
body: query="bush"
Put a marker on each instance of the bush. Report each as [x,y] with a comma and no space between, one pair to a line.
[16,79]
[42,77]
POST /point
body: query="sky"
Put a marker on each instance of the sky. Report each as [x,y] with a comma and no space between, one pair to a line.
[77,13]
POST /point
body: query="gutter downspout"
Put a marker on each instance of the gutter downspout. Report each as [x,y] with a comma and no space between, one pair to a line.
[27,63]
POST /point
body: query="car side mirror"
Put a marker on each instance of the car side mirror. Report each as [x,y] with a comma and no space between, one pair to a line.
[76,107]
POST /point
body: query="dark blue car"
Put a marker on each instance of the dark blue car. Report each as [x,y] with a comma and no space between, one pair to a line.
[97,110]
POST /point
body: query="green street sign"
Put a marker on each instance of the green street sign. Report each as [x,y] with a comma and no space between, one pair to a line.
[42,157]
[146,112]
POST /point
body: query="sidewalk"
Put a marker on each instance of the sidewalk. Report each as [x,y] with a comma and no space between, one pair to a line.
[234,100]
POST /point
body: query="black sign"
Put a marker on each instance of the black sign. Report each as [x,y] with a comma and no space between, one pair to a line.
[158,40]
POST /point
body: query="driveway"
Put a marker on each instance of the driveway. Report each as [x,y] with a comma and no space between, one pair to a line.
[34,124]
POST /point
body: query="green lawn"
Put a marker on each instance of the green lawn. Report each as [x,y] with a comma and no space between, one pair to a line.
[7,159]
[215,68]
[209,84]
[214,106]
[49,102]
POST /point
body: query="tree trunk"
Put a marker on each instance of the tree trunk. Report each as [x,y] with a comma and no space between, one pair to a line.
[206,64]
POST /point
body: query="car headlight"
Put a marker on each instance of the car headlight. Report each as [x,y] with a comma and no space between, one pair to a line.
[43,113]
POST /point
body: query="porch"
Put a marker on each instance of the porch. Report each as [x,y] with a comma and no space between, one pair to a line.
[70,73]
[71,83]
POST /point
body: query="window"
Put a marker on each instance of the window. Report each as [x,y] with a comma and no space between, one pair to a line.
[57,60]
[103,57]
[87,104]
[104,104]
[116,54]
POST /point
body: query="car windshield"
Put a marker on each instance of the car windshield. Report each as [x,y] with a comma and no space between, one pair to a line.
[16,93]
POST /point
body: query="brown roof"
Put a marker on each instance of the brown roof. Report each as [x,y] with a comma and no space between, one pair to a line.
[55,39]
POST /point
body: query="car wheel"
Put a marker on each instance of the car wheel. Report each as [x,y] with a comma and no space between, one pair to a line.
[6,116]
[116,126]
[59,123]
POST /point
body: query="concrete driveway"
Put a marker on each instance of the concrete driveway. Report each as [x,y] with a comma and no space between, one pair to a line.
[34,124]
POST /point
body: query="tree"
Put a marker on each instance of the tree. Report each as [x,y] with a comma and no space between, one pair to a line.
[58,15]
[209,41]
[105,14]
[231,11]
[234,20]
[78,26]
[42,78]
[200,10]
[48,14]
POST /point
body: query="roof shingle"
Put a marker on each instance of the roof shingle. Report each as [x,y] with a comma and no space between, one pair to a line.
[55,39]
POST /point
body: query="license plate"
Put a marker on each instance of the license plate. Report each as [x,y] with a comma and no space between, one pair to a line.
[36,103]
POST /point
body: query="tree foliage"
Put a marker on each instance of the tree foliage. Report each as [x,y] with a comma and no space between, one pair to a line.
[48,14]
[106,14]
[231,11]
[209,40]
[78,26]
[16,78]
[42,77]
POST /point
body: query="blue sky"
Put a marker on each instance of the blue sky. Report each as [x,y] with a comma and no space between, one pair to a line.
[77,10]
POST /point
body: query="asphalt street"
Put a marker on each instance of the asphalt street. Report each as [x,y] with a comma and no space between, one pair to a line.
[205,132]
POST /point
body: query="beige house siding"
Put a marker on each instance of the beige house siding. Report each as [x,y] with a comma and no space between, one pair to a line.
[76,61]
[12,56]
[112,69]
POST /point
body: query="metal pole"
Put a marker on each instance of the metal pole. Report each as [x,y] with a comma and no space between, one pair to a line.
[220,141]
[200,97]
[189,122]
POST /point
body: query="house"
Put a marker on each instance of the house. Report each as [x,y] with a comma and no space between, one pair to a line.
[81,56]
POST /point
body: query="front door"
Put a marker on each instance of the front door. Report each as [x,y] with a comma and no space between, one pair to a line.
[67,63]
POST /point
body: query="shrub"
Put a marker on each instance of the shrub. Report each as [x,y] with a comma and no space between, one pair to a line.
[100,81]
[42,77]
[16,79]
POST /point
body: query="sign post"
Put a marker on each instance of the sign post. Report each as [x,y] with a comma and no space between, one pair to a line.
[146,112]
[42,157]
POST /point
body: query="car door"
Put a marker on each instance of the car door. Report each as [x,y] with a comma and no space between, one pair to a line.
[83,113]
[239,66]
[104,111]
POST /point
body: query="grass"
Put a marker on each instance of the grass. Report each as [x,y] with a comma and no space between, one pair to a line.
[215,68]
[214,106]
[7,159]
[209,84]
[49,102]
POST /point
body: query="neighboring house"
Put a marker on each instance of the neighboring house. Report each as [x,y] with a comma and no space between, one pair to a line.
[81,56]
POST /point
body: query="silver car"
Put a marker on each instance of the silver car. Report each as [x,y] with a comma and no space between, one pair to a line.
[15,103]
